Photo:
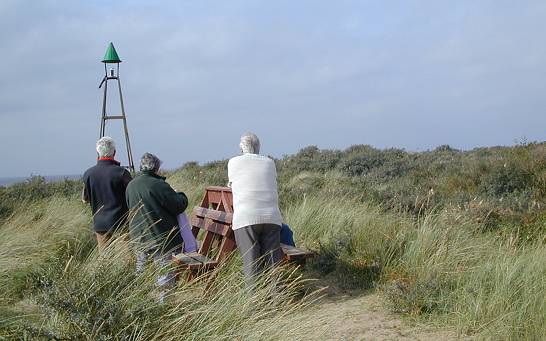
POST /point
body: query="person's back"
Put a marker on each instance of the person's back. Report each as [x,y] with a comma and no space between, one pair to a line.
[105,184]
[104,189]
[256,216]
[153,227]
[254,185]
[156,206]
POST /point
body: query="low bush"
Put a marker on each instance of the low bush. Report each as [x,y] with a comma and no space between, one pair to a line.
[34,190]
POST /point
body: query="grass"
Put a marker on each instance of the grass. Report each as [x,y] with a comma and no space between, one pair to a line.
[100,297]
[85,294]
[437,265]
[452,237]
[35,235]
[56,285]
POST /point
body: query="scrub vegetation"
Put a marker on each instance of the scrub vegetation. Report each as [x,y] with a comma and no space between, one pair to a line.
[457,238]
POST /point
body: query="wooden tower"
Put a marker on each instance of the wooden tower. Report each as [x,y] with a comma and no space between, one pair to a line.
[111,57]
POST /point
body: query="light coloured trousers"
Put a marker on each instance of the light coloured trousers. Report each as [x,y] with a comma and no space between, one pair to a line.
[165,281]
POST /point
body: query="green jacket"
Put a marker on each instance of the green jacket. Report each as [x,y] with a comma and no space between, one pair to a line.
[153,207]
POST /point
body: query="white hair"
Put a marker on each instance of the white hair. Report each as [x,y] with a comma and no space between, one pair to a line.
[250,143]
[149,162]
[106,147]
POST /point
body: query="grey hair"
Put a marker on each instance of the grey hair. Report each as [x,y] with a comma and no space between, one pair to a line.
[106,147]
[250,143]
[149,162]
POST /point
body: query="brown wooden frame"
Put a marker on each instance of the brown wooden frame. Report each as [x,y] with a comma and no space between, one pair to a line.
[214,217]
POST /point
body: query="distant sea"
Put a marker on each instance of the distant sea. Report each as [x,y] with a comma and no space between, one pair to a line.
[48,178]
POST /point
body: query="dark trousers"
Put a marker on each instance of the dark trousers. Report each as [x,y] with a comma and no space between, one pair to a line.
[260,247]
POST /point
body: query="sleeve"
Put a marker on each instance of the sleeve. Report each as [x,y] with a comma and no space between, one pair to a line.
[126,178]
[229,165]
[128,197]
[85,195]
[184,199]
[274,168]
[85,191]
[175,203]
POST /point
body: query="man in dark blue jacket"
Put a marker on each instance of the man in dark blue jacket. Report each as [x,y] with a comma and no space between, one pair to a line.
[104,188]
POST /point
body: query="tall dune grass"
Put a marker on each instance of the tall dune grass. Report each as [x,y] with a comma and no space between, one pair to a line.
[101,297]
[453,237]
[436,265]
[66,289]
[35,234]
[55,284]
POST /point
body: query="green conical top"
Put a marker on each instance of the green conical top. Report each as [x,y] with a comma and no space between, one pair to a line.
[111,56]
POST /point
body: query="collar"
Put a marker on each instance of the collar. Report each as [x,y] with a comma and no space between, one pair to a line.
[153,174]
[111,159]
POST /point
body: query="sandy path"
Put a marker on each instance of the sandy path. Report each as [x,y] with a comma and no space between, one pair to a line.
[364,318]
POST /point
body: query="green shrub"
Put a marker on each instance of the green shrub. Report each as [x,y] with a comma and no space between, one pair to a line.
[445,148]
[361,159]
[506,179]
[33,190]
[309,159]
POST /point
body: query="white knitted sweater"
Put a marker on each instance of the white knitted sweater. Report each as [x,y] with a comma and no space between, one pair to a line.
[253,181]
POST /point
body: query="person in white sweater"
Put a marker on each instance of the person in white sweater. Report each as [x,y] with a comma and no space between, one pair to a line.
[256,216]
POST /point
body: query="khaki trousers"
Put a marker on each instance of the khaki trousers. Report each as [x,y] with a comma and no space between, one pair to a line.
[102,239]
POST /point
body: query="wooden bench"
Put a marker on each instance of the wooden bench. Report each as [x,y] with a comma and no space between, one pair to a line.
[213,220]
[296,255]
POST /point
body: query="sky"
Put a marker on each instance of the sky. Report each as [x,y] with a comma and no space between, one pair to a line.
[197,74]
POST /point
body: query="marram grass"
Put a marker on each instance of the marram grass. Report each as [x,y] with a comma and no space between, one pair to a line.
[468,254]
[434,265]
[98,296]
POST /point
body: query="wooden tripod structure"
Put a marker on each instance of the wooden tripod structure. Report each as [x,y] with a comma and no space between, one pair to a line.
[111,57]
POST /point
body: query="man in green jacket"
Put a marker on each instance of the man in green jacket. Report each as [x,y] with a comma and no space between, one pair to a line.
[153,227]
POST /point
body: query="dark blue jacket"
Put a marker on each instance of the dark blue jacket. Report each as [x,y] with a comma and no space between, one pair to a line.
[287,236]
[104,188]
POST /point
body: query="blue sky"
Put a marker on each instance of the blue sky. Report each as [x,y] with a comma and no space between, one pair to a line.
[195,75]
